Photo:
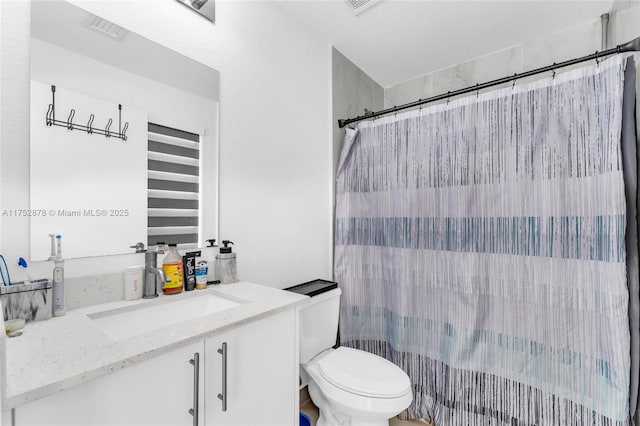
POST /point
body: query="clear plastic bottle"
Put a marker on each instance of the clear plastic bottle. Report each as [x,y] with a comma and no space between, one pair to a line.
[173,272]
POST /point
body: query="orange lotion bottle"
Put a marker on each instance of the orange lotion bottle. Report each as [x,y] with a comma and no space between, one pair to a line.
[172,267]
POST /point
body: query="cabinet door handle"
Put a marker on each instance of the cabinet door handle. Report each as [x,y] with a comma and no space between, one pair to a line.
[223,396]
[196,387]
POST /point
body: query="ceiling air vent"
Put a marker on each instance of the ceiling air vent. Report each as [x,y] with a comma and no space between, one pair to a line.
[359,6]
[106,28]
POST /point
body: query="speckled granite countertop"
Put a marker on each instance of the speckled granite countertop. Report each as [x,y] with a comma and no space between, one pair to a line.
[61,352]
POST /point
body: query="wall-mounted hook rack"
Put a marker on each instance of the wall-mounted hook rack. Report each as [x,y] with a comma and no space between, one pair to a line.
[70,125]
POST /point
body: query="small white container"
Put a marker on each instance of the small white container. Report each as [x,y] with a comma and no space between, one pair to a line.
[133,281]
[209,254]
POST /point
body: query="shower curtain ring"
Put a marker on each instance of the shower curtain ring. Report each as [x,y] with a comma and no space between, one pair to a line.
[477,90]
[515,78]
[553,75]
[448,97]
[597,60]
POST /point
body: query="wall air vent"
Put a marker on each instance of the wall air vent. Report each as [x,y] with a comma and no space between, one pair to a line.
[359,6]
[106,28]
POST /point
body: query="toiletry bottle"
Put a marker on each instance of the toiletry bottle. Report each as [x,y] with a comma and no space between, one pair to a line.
[209,254]
[202,270]
[172,268]
[58,275]
[226,264]
[189,265]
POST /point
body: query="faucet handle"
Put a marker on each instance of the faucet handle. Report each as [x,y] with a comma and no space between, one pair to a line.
[139,247]
[160,247]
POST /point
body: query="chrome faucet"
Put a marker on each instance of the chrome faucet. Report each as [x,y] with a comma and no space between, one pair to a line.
[152,274]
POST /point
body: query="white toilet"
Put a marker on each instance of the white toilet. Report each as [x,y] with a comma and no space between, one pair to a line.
[349,386]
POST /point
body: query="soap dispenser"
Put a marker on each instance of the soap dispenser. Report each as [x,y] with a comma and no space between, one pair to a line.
[226,268]
[209,254]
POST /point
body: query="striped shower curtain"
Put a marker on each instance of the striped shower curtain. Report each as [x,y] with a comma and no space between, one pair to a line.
[480,245]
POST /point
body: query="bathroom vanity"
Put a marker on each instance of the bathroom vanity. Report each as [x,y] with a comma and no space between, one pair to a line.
[232,349]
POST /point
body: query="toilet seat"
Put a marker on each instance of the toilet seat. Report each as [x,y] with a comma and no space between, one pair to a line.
[348,395]
[363,373]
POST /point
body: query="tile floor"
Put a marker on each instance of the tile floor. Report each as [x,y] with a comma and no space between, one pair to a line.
[307,407]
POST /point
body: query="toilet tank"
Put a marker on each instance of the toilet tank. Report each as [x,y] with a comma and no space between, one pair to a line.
[318,320]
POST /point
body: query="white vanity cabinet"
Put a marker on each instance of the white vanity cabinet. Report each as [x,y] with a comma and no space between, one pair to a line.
[159,391]
[261,377]
[261,374]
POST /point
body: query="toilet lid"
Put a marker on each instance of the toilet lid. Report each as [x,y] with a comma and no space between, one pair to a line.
[363,373]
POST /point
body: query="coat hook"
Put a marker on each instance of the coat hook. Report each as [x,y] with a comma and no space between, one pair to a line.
[124,130]
[49,120]
[107,132]
[90,124]
[70,119]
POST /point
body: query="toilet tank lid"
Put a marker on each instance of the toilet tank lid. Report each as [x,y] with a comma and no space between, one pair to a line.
[364,373]
[313,288]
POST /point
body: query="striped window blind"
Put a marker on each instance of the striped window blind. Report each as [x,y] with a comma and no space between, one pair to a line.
[173,176]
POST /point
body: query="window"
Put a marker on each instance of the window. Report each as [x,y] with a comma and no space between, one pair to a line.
[173,185]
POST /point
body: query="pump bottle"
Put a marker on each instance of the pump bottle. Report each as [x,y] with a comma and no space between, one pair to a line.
[226,268]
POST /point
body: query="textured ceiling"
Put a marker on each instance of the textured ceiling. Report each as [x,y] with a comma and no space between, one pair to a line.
[397,40]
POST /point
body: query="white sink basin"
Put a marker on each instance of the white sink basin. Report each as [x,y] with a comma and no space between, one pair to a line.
[121,325]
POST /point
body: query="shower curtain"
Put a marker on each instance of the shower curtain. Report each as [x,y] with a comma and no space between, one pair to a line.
[480,245]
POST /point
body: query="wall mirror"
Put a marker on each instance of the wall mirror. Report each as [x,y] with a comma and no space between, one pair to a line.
[151,173]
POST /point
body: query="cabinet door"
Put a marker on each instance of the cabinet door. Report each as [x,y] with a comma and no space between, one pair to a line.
[261,373]
[155,392]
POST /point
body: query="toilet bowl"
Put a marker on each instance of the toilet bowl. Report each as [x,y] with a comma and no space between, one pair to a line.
[350,387]
[356,388]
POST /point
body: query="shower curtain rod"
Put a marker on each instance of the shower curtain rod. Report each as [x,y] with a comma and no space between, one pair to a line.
[632,46]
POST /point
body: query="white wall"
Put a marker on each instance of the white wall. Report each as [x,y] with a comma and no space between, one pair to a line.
[567,44]
[275,129]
